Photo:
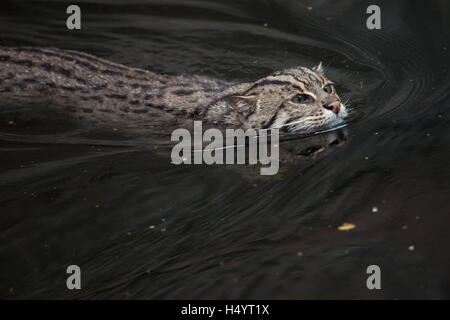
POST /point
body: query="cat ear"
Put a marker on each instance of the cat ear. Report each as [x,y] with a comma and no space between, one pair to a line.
[244,105]
[319,68]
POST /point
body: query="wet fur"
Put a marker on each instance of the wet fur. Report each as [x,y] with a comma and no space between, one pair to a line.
[99,91]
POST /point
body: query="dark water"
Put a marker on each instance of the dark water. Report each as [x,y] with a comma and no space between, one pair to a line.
[140,227]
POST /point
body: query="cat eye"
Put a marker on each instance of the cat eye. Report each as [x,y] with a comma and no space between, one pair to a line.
[302,98]
[329,88]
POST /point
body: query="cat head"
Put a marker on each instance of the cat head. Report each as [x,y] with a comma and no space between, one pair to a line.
[294,100]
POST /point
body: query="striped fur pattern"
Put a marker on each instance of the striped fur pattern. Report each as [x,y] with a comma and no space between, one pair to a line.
[99,91]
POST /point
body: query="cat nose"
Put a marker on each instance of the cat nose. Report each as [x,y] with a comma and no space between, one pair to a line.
[334,106]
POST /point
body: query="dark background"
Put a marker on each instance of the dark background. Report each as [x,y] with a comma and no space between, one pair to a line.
[140,227]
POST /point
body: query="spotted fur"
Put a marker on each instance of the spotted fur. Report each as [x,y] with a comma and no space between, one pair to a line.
[91,88]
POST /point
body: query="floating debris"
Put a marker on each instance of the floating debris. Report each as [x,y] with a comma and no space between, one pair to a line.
[309,8]
[266,25]
[405,227]
[163,219]
[11,122]
[299,254]
[151,227]
[366,158]
[374,209]
[411,248]
[346,226]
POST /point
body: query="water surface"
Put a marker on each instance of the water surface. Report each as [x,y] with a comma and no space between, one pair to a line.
[141,227]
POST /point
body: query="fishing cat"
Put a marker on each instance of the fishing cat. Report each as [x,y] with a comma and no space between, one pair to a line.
[93,89]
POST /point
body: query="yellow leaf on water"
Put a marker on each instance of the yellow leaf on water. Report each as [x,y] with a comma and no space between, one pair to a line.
[346,226]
